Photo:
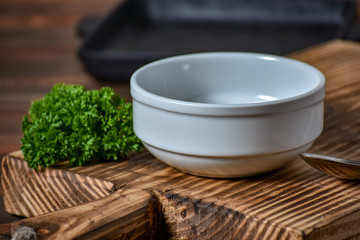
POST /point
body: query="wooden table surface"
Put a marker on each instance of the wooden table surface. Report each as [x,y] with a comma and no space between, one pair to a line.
[37,50]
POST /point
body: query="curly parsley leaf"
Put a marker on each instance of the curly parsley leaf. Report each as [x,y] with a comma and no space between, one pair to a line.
[75,124]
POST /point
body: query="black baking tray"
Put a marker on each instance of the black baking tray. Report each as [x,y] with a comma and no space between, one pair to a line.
[137,32]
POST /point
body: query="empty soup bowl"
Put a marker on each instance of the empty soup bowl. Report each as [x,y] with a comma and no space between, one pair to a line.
[227,114]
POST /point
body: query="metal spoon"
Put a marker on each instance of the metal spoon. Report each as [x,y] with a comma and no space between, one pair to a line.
[338,167]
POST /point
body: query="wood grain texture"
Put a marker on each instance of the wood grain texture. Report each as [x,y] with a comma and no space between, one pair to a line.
[294,202]
[129,214]
[47,190]
[148,199]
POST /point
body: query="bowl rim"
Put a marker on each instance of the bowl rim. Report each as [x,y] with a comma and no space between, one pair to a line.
[308,98]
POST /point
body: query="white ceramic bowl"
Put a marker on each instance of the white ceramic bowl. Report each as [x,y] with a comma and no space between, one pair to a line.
[227,114]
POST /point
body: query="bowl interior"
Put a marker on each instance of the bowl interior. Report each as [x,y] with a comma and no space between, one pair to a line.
[228,78]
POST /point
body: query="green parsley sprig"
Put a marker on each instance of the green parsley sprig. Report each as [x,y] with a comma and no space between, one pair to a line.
[79,125]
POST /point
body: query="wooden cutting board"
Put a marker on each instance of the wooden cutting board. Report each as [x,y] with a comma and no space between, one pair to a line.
[142,198]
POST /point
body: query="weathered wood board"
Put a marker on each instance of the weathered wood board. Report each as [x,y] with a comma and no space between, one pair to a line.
[142,198]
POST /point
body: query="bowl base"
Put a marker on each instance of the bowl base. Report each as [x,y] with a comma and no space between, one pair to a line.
[226,167]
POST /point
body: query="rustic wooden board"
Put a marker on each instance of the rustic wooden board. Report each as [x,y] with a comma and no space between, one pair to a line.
[144,198]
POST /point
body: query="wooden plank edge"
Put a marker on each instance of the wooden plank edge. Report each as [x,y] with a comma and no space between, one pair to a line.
[187,218]
[29,192]
[125,214]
